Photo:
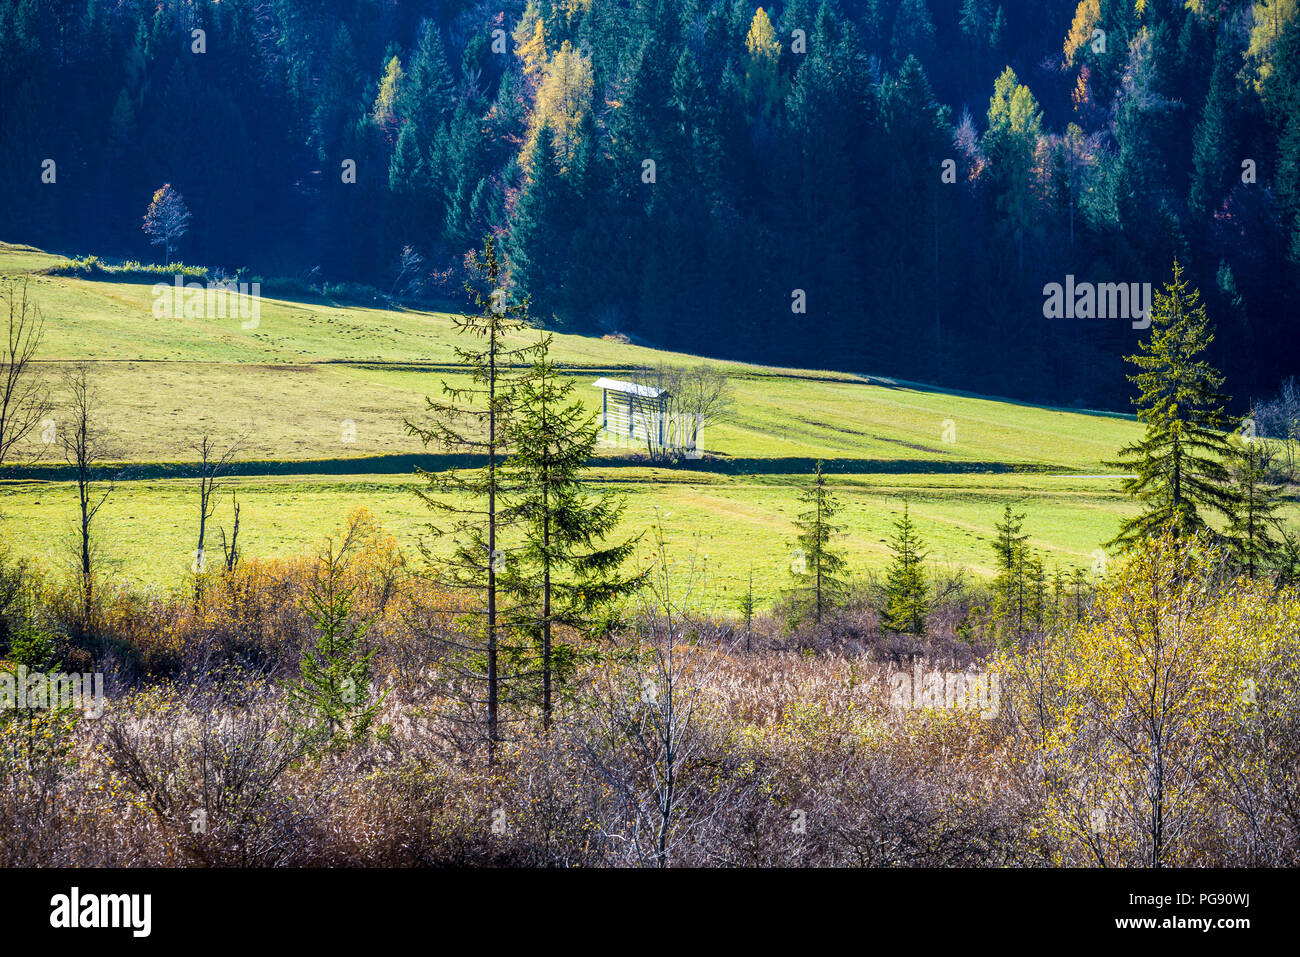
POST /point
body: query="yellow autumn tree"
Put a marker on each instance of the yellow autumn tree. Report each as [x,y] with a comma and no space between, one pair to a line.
[384,112]
[762,63]
[1271,16]
[563,98]
[1086,16]
[530,41]
[1164,720]
[1015,124]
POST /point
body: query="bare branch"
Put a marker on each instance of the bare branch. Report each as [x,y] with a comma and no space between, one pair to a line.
[24,399]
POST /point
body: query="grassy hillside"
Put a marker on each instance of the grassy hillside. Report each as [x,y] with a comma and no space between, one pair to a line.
[308,367]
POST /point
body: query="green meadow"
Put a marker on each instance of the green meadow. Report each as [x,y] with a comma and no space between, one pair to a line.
[320,391]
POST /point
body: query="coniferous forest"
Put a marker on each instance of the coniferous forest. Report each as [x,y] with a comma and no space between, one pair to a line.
[881,186]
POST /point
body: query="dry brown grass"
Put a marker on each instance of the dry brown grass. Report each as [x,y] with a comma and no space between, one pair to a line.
[791,754]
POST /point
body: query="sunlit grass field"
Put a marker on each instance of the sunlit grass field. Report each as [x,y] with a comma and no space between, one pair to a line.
[729,524]
[321,391]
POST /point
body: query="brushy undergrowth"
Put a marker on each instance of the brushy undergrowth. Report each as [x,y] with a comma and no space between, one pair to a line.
[92,267]
[679,747]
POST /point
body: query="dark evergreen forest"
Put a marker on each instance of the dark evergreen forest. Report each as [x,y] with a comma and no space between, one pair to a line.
[883,186]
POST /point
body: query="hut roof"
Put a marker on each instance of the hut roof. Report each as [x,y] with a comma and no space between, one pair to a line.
[617,385]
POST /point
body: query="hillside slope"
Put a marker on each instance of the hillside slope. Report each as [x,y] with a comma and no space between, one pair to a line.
[308,368]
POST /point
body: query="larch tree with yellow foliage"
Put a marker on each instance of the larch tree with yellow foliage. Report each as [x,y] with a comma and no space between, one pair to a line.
[384,112]
[1085,20]
[762,65]
[1011,144]
[1270,19]
[563,98]
[530,42]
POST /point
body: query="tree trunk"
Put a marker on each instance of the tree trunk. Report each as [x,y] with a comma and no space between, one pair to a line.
[492,551]
[199,563]
[546,602]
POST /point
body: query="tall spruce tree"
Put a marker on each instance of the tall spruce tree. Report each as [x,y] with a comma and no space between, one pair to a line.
[1251,533]
[539,251]
[1180,461]
[976,22]
[819,568]
[907,598]
[1009,589]
[1214,155]
[427,97]
[565,575]
[475,419]
[1010,539]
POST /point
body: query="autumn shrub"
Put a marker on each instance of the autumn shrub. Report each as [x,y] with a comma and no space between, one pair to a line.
[213,766]
[38,769]
[93,267]
[1164,726]
[15,589]
[829,773]
[1162,730]
[854,624]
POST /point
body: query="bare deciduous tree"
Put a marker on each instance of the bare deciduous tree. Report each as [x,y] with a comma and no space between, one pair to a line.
[85,448]
[167,219]
[24,400]
[230,549]
[410,278]
[1278,420]
[694,397]
[211,773]
[655,706]
[212,466]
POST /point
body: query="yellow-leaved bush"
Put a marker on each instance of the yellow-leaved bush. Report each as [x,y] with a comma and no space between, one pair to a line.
[1164,730]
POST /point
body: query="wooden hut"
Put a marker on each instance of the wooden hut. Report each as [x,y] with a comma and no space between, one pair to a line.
[633,412]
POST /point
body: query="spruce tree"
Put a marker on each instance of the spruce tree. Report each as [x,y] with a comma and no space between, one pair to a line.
[565,576]
[818,572]
[1080,597]
[412,216]
[913,32]
[906,592]
[1035,574]
[1180,460]
[475,419]
[976,21]
[1059,590]
[333,689]
[1214,154]
[427,97]
[1009,541]
[1287,559]
[1011,552]
[1255,519]
[747,607]
[338,97]
[538,250]
[463,157]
